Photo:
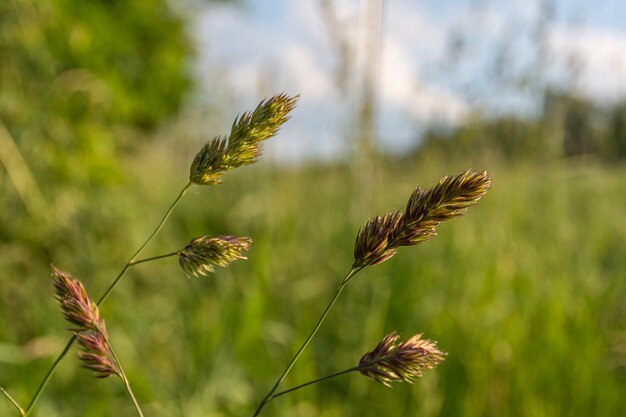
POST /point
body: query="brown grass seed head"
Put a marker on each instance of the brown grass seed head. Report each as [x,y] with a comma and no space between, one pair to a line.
[89,328]
[379,239]
[390,362]
[75,304]
[95,353]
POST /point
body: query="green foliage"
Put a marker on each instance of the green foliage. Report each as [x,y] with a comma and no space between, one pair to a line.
[525,294]
[81,82]
[568,126]
[81,79]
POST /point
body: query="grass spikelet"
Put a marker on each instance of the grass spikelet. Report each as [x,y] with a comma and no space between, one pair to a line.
[389,362]
[450,198]
[203,253]
[373,241]
[380,238]
[243,145]
[95,352]
[89,328]
[75,304]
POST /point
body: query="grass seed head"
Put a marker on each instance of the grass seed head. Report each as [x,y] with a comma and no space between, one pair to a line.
[203,253]
[95,353]
[390,362]
[89,328]
[450,198]
[75,304]
[380,238]
[372,244]
[243,145]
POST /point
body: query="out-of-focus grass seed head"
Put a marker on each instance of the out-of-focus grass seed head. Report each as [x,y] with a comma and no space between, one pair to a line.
[203,253]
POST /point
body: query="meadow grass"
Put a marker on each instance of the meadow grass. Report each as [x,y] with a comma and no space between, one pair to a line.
[525,293]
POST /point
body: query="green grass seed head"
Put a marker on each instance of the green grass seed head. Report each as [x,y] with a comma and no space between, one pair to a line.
[243,145]
[203,253]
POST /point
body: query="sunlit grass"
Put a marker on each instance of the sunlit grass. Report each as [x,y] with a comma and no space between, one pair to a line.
[525,294]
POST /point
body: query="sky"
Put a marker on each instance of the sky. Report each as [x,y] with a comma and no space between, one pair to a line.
[438,61]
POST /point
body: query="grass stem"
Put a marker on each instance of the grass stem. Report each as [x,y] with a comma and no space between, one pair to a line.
[134,257]
[12,401]
[153,258]
[324,378]
[123,377]
[281,378]
[132,261]
[315,381]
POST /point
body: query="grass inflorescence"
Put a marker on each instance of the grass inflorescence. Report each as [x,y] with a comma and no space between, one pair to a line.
[377,241]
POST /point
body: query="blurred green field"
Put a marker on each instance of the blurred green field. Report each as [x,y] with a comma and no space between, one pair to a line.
[526,293]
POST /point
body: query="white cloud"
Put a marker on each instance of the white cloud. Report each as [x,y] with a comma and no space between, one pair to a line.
[414,29]
[286,46]
[401,88]
[304,72]
[250,49]
[602,53]
[295,53]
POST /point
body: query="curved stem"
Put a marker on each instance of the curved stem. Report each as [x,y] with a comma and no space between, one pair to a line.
[123,377]
[132,261]
[12,401]
[153,258]
[281,378]
[315,381]
[133,258]
[359,367]
[132,396]
[45,380]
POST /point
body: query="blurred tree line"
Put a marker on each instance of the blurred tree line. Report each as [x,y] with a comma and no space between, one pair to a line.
[81,80]
[82,84]
[564,122]
[567,126]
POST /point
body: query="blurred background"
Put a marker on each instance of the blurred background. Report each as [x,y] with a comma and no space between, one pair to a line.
[103,105]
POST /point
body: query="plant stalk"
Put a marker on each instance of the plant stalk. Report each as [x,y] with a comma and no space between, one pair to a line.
[123,377]
[154,258]
[132,261]
[315,381]
[340,288]
[12,401]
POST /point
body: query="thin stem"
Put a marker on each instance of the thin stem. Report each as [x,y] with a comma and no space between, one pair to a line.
[345,371]
[123,376]
[132,261]
[12,401]
[154,258]
[340,288]
[315,381]
[134,257]
[45,380]
[132,395]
